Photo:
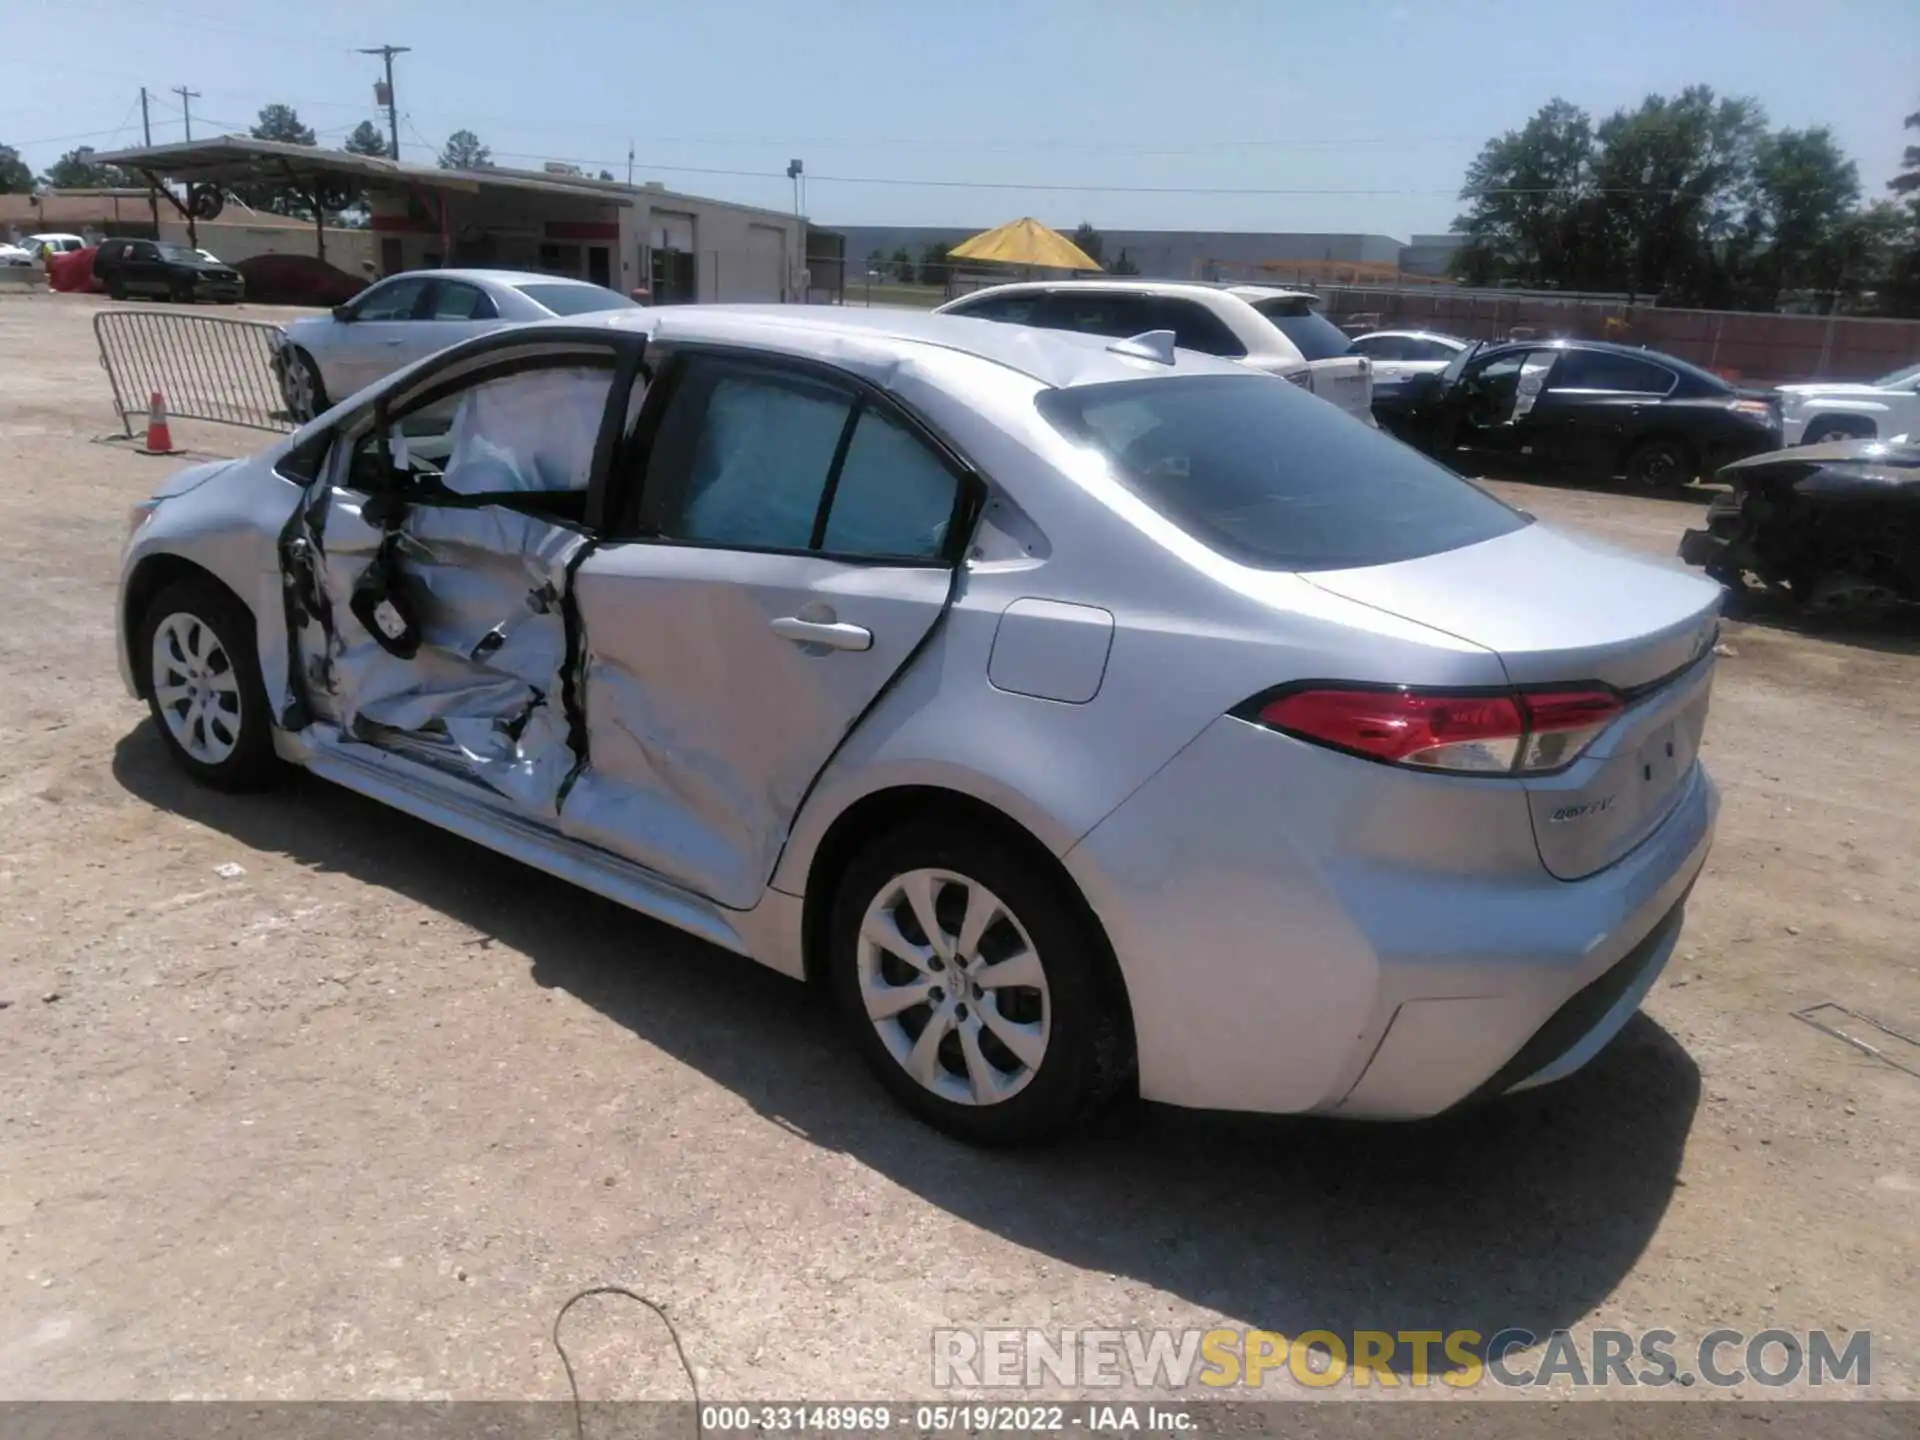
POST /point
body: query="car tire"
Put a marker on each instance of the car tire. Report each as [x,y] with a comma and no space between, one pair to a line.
[202,673]
[1660,465]
[301,387]
[1016,1061]
[116,291]
[1827,430]
[179,292]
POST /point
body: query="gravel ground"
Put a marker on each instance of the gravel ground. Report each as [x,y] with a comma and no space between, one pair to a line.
[353,1120]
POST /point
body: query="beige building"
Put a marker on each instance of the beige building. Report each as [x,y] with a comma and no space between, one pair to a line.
[679,247]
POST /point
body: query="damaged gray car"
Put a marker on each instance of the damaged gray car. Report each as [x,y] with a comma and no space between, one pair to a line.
[1833,529]
[1084,714]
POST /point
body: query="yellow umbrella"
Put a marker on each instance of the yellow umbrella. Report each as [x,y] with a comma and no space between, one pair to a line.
[1025,242]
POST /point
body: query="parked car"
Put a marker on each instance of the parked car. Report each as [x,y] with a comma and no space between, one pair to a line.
[15,256]
[1823,412]
[407,317]
[1584,406]
[1085,715]
[174,272]
[54,243]
[1274,330]
[1399,356]
[1833,527]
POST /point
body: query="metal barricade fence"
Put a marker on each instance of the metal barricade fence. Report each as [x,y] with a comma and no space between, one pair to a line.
[206,366]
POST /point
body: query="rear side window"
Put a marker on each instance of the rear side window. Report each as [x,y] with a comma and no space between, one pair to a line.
[1315,336]
[1269,476]
[1197,328]
[454,301]
[1603,370]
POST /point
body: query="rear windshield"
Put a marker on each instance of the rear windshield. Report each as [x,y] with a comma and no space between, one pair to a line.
[575,299]
[1315,336]
[1267,475]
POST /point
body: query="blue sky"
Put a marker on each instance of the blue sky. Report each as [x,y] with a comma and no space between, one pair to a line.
[1352,114]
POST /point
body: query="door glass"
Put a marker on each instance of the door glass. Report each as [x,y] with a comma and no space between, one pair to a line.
[1382,347]
[392,301]
[894,495]
[1093,313]
[453,301]
[1426,350]
[756,448]
[1603,370]
[1013,309]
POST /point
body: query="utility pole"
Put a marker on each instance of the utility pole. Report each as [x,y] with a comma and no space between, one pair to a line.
[187,97]
[629,164]
[146,138]
[386,53]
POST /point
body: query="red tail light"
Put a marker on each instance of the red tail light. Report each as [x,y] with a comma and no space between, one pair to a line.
[1498,734]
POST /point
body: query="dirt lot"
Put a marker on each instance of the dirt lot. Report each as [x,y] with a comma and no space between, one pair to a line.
[355,1122]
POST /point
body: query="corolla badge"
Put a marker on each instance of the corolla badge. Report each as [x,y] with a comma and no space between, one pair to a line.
[1581,811]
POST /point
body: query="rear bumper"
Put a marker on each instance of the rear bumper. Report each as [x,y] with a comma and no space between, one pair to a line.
[1267,973]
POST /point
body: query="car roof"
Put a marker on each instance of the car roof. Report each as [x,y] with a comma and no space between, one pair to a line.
[1439,335]
[873,340]
[1144,287]
[1609,347]
[513,278]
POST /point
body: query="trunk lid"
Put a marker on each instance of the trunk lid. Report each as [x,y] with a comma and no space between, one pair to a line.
[1346,381]
[1561,610]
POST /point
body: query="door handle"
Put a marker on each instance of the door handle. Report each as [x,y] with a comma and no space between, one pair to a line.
[833,636]
[397,340]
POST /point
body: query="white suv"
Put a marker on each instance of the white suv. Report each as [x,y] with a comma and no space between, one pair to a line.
[1816,413]
[1270,329]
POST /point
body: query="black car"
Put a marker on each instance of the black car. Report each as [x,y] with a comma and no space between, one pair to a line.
[152,267]
[1583,406]
[1833,527]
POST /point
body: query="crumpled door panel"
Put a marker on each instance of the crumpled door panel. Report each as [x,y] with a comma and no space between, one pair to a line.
[483,695]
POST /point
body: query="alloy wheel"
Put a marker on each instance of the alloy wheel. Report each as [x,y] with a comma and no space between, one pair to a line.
[297,389]
[953,985]
[195,688]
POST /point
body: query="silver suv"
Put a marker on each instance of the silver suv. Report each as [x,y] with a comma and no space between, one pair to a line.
[1271,329]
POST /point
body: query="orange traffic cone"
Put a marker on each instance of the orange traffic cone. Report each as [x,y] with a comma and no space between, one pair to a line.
[159,437]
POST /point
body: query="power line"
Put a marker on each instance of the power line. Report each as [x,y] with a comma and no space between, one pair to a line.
[386,53]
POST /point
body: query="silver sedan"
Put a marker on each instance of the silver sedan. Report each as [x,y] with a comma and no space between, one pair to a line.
[1086,715]
[407,317]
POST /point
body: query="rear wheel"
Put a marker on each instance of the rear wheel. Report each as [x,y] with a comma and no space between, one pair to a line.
[971,985]
[1660,465]
[204,687]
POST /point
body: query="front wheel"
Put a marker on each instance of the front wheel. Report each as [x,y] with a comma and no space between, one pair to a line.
[1660,465]
[972,985]
[204,687]
[301,387]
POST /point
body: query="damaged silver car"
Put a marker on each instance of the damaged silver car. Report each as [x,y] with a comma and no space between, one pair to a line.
[1085,714]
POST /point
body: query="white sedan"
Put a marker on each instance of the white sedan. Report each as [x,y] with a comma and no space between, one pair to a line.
[408,317]
[1817,413]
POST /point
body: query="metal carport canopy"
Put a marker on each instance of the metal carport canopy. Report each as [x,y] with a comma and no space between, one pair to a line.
[227,160]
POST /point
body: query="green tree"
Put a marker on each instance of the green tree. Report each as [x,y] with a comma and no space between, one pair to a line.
[1091,242]
[282,124]
[605,175]
[1806,193]
[1907,182]
[934,268]
[465,152]
[1528,193]
[367,139]
[15,177]
[76,170]
[902,264]
[1124,265]
[1676,180]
